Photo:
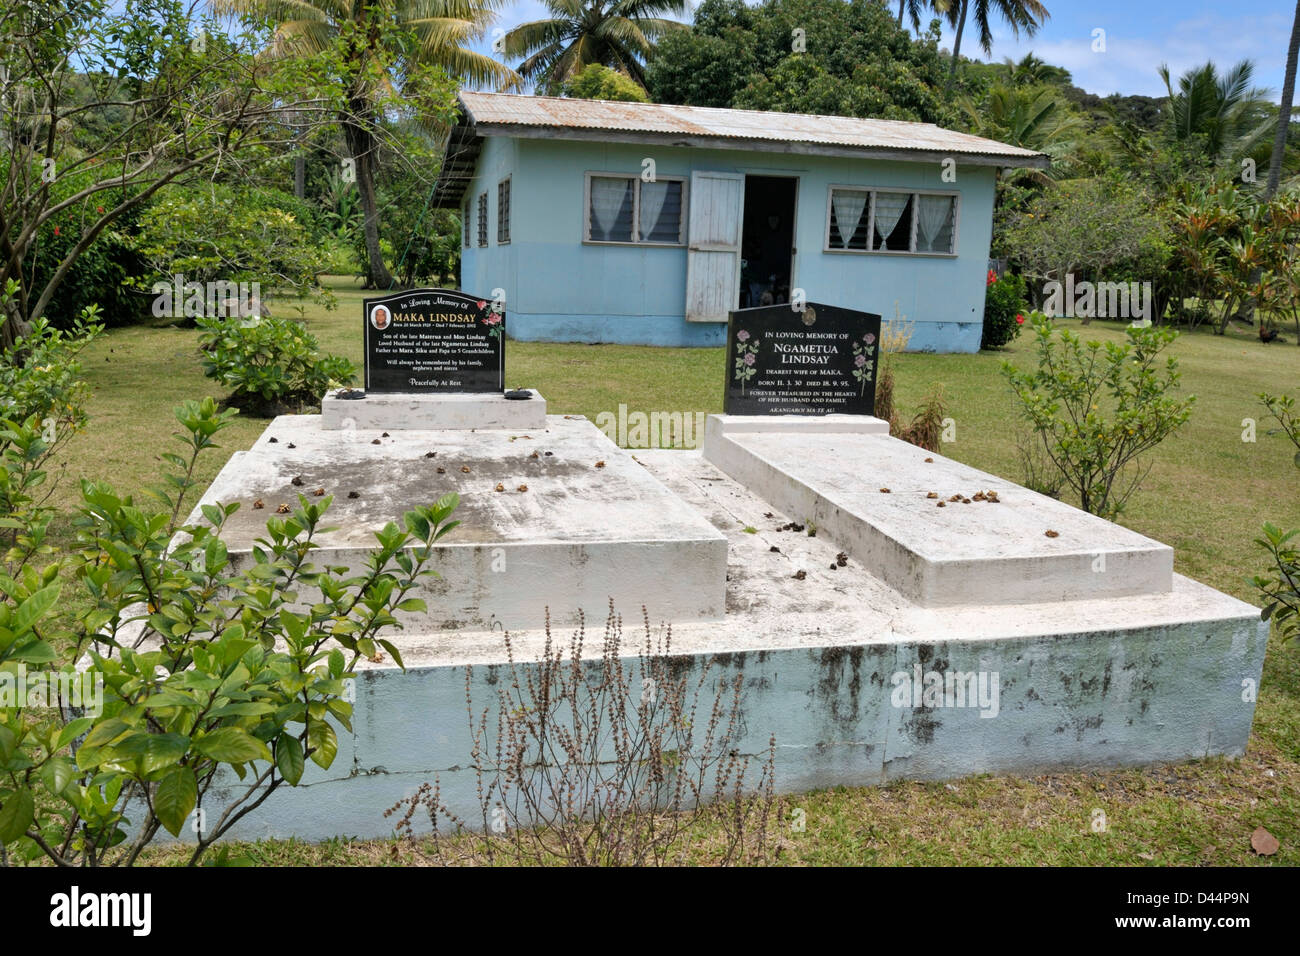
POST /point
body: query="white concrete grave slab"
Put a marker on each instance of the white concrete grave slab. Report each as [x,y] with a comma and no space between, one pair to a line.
[1087,649]
[577,521]
[824,648]
[870,493]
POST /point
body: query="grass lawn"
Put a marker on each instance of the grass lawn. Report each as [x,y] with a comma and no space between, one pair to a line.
[1206,495]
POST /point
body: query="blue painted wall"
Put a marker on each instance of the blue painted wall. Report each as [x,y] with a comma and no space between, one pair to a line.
[559,289]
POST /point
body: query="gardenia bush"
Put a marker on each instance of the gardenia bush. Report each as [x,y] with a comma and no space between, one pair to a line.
[1096,409]
[208,672]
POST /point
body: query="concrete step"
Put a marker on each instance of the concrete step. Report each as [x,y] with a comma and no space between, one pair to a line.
[1024,548]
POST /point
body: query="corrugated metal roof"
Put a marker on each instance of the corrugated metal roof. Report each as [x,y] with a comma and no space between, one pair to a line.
[656,121]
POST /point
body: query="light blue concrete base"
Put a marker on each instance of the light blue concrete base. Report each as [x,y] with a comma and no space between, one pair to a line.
[825,649]
[674,331]
[1087,699]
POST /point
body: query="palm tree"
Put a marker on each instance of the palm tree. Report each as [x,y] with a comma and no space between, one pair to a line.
[615,33]
[1284,114]
[1221,116]
[914,9]
[1027,15]
[1031,118]
[367,33]
[1032,71]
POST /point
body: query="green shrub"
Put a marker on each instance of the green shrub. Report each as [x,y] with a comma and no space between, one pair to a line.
[597,82]
[40,376]
[271,365]
[204,671]
[1004,310]
[106,274]
[1279,586]
[215,233]
[1096,409]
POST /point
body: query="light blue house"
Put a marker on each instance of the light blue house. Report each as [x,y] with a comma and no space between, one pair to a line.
[646,223]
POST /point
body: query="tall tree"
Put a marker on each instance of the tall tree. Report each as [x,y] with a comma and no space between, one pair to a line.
[379,42]
[914,9]
[1026,15]
[104,104]
[614,33]
[1217,116]
[1284,112]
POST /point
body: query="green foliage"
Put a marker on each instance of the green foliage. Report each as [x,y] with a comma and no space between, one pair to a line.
[106,273]
[1097,408]
[1087,226]
[269,364]
[579,33]
[40,375]
[1280,585]
[598,82]
[208,672]
[213,233]
[856,61]
[1004,310]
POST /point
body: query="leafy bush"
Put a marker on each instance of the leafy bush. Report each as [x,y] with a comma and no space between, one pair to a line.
[40,376]
[1004,310]
[206,670]
[1096,409]
[597,82]
[105,274]
[216,233]
[271,365]
[1280,585]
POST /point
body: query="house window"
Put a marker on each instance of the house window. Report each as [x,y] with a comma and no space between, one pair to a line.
[503,212]
[465,224]
[879,220]
[482,219]
[627,209]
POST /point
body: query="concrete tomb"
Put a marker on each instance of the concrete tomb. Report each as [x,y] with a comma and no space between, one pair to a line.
[841,570]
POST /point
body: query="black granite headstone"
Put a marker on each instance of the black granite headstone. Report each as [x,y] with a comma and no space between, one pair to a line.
[434,340]
[810,361]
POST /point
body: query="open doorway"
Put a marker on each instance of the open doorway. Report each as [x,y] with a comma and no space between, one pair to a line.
[767,242]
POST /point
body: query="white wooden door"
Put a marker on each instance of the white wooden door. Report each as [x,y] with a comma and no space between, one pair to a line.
[713,245]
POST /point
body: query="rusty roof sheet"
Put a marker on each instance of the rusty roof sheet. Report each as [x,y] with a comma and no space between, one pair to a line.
[656,121]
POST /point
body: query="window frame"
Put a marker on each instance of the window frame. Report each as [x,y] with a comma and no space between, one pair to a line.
[468,222]
[482,219]
[911,250]
[503,211]
[636,240]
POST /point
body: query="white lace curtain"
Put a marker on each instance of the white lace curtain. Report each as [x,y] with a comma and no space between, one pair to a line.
[889,210]
[848,206]
[653,196]
[607,197]
[933,214]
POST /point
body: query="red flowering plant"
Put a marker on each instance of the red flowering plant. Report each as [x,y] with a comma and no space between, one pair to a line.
[1004,309]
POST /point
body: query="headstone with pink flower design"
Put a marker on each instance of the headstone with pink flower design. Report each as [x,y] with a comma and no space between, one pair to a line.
[814,360]
[433,340]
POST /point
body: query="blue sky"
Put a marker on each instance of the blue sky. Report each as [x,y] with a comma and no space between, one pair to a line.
[1139,37]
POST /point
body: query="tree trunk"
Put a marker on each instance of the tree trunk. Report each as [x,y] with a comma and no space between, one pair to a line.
[1284,113]
[956,47]
[300,177]
[361,144]
[900,11]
